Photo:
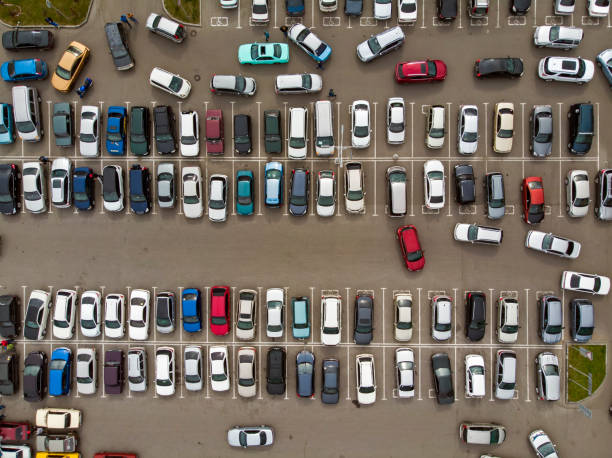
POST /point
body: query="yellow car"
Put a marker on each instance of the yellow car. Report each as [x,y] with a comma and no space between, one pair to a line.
[57,455]
[69,66]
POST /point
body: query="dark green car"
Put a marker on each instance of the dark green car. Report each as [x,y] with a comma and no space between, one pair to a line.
[273,138]
[62,124]
[139,131]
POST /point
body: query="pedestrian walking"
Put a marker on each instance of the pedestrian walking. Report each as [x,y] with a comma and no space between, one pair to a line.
[131,17]
[125,19]
[267,35]
[331,94]
[284,29]
[320,65]
[44,160]
[50,21]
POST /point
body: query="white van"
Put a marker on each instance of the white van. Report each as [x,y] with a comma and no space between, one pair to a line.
[396,191]
[324,128]
[298,129]
[26,108]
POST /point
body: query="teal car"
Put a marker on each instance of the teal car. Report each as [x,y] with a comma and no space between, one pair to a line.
[301,321]
[263,53]
[245,192]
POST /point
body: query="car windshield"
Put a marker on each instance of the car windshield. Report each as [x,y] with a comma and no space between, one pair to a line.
[25,126]
[111,196]
[354,195]
[57,365]
[549,369]
[408,7]
[297,142]
[414,255]
[61,323]
[218,377]
[112,324]
[477,370]
[304,369]
[260,9]
[87,138]
[580,138]
[175,84]
[546,449]
[585,331]
[31,371]
[431,68]
[536,209]
[218,320]
[469,137]
[443,327]
[504,133]
[361,131]
[510,329]
[163,382]
[374,45]
[326,201]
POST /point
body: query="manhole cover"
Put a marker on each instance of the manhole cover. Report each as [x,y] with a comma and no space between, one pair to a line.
[193,33]
[196,77]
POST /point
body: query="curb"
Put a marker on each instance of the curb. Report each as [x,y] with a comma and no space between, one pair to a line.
[47,26]
[191,24]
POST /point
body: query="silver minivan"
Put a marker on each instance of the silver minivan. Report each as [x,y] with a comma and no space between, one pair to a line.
[396,190]
[324,128]
[26,108]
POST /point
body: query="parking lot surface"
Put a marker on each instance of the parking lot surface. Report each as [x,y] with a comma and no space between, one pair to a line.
[163,251]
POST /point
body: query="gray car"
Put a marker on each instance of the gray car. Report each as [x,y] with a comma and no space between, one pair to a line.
[137,369]
[496,198]
[62,124]
[582,320]
[541,128]
[550,312]
[61,443]
[364,315]
[165,185]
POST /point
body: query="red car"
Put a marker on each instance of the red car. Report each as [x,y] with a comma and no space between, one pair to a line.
[214,131]
[220,310]
[15,431]
[411,247]
[420,71]
[532,190]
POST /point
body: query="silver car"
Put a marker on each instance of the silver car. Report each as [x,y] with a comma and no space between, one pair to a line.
[550,312]
[441,318]
[165,185]
[505,375]
[552,244]
[61,182]
[86,370]
[34,187]
[548,386]
[247,372]
[577,193]
[193,368]
[354,195]
[137,369]
[467,129]
[250,436]
[245,323]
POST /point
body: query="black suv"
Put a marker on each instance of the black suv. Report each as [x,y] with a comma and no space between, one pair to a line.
[9,189]
[475,315]
[117,43]
[465,184]
[35,376]
[299,190]
[273,137]
[364,315]
[581,128]
[9,322]
[8,373]
[139,131]
[164,129]
[275,371]
[242,134]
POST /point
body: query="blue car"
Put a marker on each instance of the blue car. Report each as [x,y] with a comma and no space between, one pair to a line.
[116,126]
[244,192]
[83,188]
[140,189]
[7,124]
[274,184]
[295,7]
[301,318]
[192,310]
[60,371]
[304,368]
[23,70]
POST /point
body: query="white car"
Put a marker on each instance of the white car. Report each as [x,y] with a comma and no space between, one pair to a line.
[366,379]
[503,127]
[360,124]
[228,3]
[541,443]
[403,316]
[192,358]
[407,11]
[217,198]
[275,305]
[564,7]
[566,69]
[404,372]
[219,372]
[16,451]
[86,370]
[382,9]
[467,129]
[247,373]
[37,315]
[190,134]
[557,36]
[331,316]
[507,320]
[164,371]
[192,192]
[57,418]
[137,369]
[34,187]
[326,193]
[140,305]
[475,233]
[250,436]
[64,314]
[598,8]
[585,283]
[89,135]
[260,13]
[474,376]
[245,322]
[552,244]
[112,188]
[169,82]
[433,179]
[505,374]
[396,121]
[91,313]
[61,182]
[114,320]
[435,131]
[577,192]
[441,318]
[298,133]
[354,194]
[328,6]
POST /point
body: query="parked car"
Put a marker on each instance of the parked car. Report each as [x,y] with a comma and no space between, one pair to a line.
[407,11]
[402,304]
[507,320]
[396,120]
[140,189]
[190,134]
[520,7]
[433,180]
[364,319]
[56,443]
[57,418]
[564,7]
[18,39]
[503,127]
[86,371]
[552,244]
[273,189]
[475,233]
[260,12]
[474,376]
[70,66]
[217,198]
[165,367]
[218,370]
[380,44]
[242,134]
[36,315]
[263,53]
[477,8]
[548,381]
[532,190]
[64,314]
[10,195]
[566,69]
[139,130]
[246,319]
[396,191]
[295,7]
[441,317]
[114,318]
[538,439]
[328,6]
[404,372]
[247,372]
[300,311]
[60,372]
[15,431]
[83,188]
[117,44]
[366,379]
[233,85]
[482,433]
[305,374]
[192,192]
[582,320]
[550,319]
[163,120]
[541,128]
[300,83]
[275,371]
[166,28]
[505,374]
[496,198]
[116,130]
[191,304]
[14,71]
[165,185]
[330,383]
[475,315]
[577,192]
[137,369]
[220,312]
[499,66]
[165,311]
[310,43]
[326,193]
[467,130]
[360,124]
[410,246]
[63,124]
[598,8]
[353,7]
[192,359]
[465,185]
[354,195]
[113,371]
[9,379]
[112,188]
[581,128]
[299,192]
[61,182]
[585,283]
[89,136]
[331,319]
[140,300]
[275,309]
[420,71]
[557,36]
[273,138]
[10,324]
[435,127]
[250,436]
[603,188]
[447,10]
[34,187]
[443,378]
[214,132]
[604,61]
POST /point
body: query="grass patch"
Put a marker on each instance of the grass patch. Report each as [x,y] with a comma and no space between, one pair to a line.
[578,368]
[34,12]
[184,10]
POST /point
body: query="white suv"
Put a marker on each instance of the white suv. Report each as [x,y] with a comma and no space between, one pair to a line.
[366,379]
[566,69]
[190,134]
[331,316]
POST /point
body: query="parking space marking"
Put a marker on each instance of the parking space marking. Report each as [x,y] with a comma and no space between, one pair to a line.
[312,327]
[435,292]
[431,393]
[469,209]
[375,174]
[346,322]
[528,376]
[527,316]
[553,20]
[331,21]
[429,211]
[589,20]
[492,383]
[517,20]
[597,120]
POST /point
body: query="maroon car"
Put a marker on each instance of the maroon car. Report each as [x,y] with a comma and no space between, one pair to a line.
[214,132]
[113,371]
[15,431]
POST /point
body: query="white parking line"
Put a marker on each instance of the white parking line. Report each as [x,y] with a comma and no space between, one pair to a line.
[375,174]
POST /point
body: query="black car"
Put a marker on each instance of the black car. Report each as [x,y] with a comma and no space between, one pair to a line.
[443,378]
[112,180]
[353,7]
[242,134]
[117,43]
[498,66]
[364,317]
[273,138]
[581,128]
[164,129]
[164,312]
[140,189]
[139,131]
[475,315]
[447,10]
[330,386]
[520,7]
[304,369]
[14,40]
[9,189]
[83,188]
[275,371]
[35,376]
[299,191]
[9,322]
[465,184]
[8,373]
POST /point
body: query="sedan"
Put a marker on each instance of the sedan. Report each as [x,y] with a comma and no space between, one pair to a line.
[250,436]
[61,182]
[604,61]
[498,66]
[548,380]
[247,372]
[465,185]
[62,124]
[64,314]
[304,368]
[505,377]
[60,378]
[503,127]
[585,283]
[165,185]
[112,188]
[273,189]
[475,315]
[411,247]
[275,305]
[578,193]
[382,9]
[91,313]
[309,42]
[541,128]
[326,193]
[192,192]
[474,376]
[260,12]
[443,378]
[116,129]
[542,445]
[219,371]
[360,124]
[34,187]
[396,121]
[263,53]
[245,193]
[113,316]
[330,389]
[23,70]
[165,384]
[69,66]
[532,190]
[354,195]
[353,7]
[441,318]
[138,324]
[407,11]
[433,180]
[86,370]
[552,244]
[467,130]
[192,310]
[36,316]
[17,39]
[245,321]
[364,317]
[9,189]
[299,190]
[35,376]
[566,69]
[403,316]
[220,310]
[404,372]
[217,198]
[193,368]
[89,136]
[420,71]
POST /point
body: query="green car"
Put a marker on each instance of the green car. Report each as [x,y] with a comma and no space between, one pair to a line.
[301,321]
[263,53]
[62,124]
[245,192]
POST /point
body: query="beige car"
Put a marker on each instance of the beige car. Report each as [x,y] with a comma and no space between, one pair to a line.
[503,127]
[57,418]
[247,374]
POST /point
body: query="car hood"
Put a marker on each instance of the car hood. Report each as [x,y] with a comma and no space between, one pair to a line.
[364,52]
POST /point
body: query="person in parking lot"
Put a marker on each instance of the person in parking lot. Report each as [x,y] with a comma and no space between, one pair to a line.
[131,17]
[331,94]
[267,35]
[284,29]
[125,19]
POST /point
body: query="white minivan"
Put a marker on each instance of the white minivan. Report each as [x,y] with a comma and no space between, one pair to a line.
[298,130]
[26,108]
[324,128]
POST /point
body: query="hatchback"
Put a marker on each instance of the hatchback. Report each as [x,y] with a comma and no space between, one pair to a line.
[422,71]
[548,380]
[245,192]
[402,303]
[566,69]
[475,233]
[505,375]
[23,70]
[507,320]
[140,189]
[326,193]
[233,85]
[310,43]
[364,318]
[366,379]
[137,369]
[220,310]
[331,319]
[441,324]
[443,378]
[550,319]
[496,198]
[273,189]
[410,246]
[404,372]
[538,439]
[60,370]
[166,28]
[482,433]
[532,190]
[354,194]
[192,310]
[582,320]
[275,307]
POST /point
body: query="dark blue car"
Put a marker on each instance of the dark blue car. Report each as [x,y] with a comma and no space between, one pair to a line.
[23,70]
[140,192]
[192,310]
[7,124]
[116,127]
[304,365]
[83,188]
[295,7]
[60,369]
[330,390]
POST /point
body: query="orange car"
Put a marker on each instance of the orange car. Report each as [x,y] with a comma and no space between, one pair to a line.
[69,66]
